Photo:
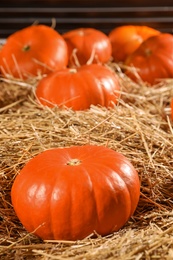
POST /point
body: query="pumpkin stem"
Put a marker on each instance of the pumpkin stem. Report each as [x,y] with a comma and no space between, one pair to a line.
[74,162]
[148,52]
[26,48]
[81,32]
[73,70]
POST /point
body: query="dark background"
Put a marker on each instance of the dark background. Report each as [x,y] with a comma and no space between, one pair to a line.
[68,14]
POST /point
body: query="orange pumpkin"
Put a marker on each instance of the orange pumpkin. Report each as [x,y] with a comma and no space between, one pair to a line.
[127,38]
[88,44]
[172,108]
[79,88]
[153,59]
[36,49]
[70,193]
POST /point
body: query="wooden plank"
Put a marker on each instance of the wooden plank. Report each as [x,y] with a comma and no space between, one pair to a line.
[67,16]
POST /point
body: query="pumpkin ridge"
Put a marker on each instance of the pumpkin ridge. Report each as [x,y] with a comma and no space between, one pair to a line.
[53,201]
[72,221]
[95,200]
[32,216]
[120,174]
[107,169]
[118,177]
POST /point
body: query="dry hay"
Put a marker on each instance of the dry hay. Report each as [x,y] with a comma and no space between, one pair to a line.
[139,127]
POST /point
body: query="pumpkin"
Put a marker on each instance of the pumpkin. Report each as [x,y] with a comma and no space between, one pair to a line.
[153,59]
[79,88]
[89,44]
[127,38]
[69,193]
[36,49]
[172,108]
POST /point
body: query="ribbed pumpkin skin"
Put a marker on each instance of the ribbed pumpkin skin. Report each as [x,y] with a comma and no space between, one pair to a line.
[88,43]
[60,199]
[153,59]
[79,88]
[34,50]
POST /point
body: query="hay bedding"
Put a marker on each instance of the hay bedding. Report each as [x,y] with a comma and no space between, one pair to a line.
[139,127]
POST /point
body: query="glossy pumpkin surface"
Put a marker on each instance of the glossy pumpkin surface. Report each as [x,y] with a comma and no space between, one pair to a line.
[172,108]
[36,49]
[153,59]
[90,44]
[68,193]
[127,38]
[79,88]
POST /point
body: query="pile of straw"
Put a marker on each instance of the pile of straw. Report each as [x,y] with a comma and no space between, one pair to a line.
[140,127]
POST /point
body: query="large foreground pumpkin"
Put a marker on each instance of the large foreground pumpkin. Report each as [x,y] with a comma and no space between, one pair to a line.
[127,38]
[79,88]
[69,193]
[153,59]
[34,50]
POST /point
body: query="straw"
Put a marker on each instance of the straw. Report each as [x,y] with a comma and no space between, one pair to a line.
[140,127]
